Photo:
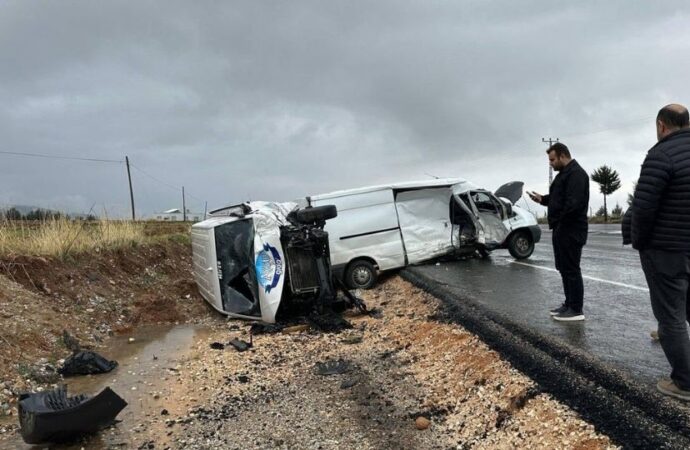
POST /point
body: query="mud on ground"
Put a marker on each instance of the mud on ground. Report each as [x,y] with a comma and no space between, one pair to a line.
[406,370]
[93,296]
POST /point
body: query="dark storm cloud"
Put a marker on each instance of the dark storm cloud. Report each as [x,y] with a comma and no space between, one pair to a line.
[273,100]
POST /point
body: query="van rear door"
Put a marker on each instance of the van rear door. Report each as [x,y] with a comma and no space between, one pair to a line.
[224,266]
[424,223]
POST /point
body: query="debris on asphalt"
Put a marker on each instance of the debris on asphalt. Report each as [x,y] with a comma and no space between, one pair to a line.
[217,346]
[86,362]
[52,416]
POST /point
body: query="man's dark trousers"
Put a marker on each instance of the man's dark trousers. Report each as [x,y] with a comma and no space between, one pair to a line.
[668,275]
[567,251]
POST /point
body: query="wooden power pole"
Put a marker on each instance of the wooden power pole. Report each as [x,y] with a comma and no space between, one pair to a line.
[131,193]
[184,207]
[550,142]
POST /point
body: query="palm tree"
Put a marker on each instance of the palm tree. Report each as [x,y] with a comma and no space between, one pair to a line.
[608,182]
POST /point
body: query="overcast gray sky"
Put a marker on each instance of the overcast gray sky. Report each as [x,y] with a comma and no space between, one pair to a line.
[273,100]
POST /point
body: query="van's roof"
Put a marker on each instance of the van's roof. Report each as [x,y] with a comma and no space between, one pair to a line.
[438,182]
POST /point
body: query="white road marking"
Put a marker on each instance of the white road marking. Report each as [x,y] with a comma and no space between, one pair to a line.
[615,283]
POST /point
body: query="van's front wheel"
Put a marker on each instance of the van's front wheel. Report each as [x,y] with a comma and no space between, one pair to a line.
[361,274]
[521,245]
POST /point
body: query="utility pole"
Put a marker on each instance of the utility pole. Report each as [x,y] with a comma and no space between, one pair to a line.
[184,207]
[131,193]
[205,209]
[550,142]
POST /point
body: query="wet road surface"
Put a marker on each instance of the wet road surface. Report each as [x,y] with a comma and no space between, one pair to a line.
[617,309]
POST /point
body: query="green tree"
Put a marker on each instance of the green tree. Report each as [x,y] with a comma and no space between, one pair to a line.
[608,181]
[617,212]
[13,214]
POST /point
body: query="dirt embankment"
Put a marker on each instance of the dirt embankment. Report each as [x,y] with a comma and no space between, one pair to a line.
[411,381]
[92,296]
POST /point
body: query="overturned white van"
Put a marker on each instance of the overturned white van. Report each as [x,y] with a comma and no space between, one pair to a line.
[253,259]
[389,226]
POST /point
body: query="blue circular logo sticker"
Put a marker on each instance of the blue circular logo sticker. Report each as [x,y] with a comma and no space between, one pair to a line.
[269,267]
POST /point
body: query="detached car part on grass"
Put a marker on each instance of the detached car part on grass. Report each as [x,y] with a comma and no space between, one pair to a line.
[51,416]
[255,259]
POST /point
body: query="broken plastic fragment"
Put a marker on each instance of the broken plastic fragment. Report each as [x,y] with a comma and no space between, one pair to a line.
[51,416]
[86,363]
[332,367]
[240,345]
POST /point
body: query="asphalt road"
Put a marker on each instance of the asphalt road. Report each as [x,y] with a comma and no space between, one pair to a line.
[617,310]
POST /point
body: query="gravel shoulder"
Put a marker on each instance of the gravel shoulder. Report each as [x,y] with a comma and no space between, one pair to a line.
[404,366]
[413,381]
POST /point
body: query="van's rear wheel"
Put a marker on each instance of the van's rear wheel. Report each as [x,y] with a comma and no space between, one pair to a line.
[521,245]
[361,274]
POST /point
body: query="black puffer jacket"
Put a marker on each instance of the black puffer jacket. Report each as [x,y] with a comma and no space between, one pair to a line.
[568,199]
[661,205]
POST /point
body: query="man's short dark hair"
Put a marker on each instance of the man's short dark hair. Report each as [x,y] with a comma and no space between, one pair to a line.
[559,149]
[673,117]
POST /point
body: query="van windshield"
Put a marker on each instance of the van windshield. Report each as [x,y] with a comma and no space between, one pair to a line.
[236,271]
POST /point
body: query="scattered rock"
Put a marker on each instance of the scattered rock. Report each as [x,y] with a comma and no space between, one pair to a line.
[422,423]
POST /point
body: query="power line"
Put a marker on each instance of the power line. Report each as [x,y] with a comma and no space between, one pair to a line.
[176,188]
[38,155]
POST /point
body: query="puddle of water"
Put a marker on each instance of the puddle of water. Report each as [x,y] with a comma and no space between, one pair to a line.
[145,365]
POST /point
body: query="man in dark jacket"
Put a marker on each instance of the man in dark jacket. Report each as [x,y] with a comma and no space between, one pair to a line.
[567,203]
[660,230]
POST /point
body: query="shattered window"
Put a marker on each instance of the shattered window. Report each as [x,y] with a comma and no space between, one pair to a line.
[484,202]
[235,254]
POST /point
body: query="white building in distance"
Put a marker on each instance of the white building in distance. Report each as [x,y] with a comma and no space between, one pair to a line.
[175,215]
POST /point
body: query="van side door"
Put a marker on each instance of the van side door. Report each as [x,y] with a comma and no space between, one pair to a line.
[424,222]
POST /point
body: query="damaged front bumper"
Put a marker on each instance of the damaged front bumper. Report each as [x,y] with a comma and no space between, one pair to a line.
[51,416]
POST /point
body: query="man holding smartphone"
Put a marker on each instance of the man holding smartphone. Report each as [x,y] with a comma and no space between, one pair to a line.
[567,203]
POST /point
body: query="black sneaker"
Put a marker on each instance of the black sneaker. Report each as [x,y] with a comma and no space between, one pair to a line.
[569,315]
[558,310]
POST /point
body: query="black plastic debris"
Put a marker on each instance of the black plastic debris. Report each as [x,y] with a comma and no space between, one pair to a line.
[332,367]
[243,379]
[329,322]
[217,346]
[375,313]
[265,328]
[240,346]
[51,416]
[86,362]
[346,384]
